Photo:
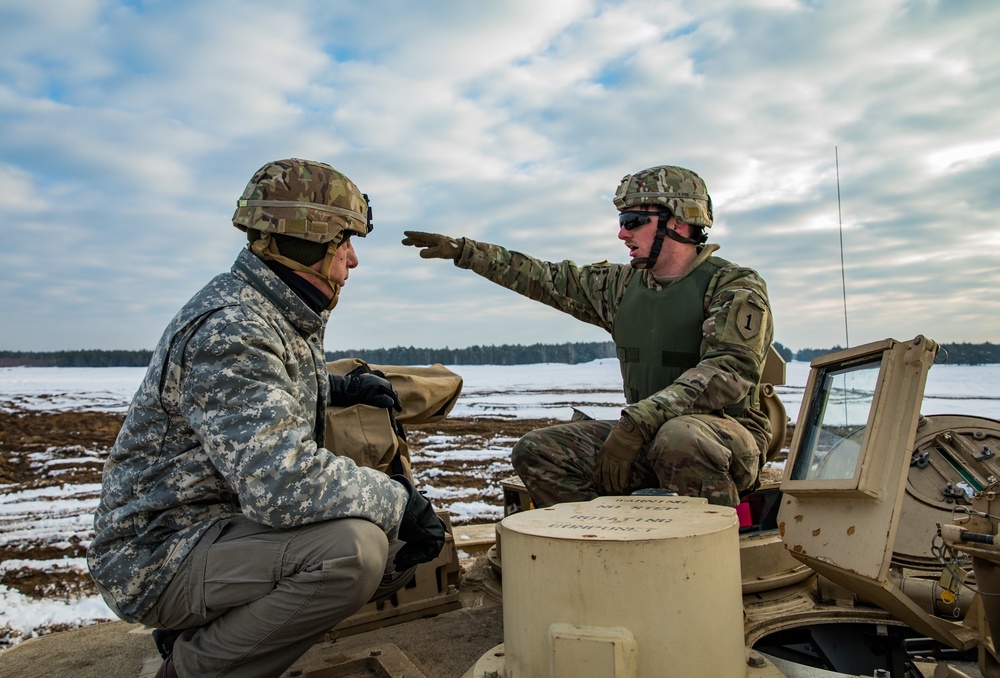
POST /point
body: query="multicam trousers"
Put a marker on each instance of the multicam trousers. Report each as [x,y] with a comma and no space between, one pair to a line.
[694,455]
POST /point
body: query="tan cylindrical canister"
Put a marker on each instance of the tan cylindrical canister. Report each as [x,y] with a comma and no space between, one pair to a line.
[623,587]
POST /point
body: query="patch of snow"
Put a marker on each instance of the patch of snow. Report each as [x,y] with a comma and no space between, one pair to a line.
[22,617]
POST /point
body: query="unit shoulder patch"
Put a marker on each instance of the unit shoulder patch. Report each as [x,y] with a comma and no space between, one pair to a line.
[747,321]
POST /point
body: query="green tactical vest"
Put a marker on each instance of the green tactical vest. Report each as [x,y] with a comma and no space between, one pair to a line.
[658,332]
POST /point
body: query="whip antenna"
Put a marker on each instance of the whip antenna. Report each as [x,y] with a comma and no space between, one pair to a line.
[843,276]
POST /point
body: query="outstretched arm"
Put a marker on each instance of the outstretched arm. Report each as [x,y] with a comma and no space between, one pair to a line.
[588,293]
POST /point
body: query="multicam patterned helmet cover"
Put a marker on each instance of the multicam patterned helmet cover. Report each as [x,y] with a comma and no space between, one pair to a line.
[679,189]
[304,199]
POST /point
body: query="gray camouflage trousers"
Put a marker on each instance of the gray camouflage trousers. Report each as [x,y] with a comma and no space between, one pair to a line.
[693,455]
[253,599]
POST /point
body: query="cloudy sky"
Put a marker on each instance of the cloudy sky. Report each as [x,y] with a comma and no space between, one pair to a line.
[130,128]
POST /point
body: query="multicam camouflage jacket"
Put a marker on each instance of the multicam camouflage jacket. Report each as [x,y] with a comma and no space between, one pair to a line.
[228,421]
[730,361]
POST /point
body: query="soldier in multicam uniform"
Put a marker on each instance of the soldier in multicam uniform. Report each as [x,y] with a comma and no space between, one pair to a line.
[691,331]
[222,516]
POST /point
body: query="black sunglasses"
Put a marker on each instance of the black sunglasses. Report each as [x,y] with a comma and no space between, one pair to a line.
[634,219]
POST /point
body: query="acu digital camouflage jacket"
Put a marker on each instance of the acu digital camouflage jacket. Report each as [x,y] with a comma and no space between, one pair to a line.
[228,421]
[730,362]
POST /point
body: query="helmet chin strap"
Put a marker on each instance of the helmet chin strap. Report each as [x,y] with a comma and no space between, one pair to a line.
[266,248]
[661,232]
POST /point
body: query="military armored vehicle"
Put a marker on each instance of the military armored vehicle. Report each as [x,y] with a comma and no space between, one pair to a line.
[873,555]
[860,561]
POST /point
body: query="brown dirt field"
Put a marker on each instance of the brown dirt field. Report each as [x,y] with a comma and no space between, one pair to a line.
[477,478]
[24,433]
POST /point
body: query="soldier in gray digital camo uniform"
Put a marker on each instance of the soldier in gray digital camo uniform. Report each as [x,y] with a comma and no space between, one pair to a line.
[691,331]
[222,516]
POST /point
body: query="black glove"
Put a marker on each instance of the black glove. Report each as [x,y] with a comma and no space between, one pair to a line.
[363,386]
[420,528]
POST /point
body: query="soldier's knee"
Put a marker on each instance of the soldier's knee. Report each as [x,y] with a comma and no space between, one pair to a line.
[523,453]
[679,433]
[688,442]
[354,538]
[365,562]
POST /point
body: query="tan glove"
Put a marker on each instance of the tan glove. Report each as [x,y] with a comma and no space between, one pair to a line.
[615,459]
[433,246]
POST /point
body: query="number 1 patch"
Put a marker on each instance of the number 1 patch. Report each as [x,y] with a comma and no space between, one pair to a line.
[749,319]
[746,322]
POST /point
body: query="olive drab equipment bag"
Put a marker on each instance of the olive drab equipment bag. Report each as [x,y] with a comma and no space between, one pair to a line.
[373,436]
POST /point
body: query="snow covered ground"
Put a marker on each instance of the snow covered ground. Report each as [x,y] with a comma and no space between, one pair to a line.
[519,392]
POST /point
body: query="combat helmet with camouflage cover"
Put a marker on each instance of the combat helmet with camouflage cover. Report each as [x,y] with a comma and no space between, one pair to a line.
[680,190]
[677,191]
[293,200]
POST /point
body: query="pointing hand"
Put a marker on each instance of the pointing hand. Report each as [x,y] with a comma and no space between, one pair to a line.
[433,246]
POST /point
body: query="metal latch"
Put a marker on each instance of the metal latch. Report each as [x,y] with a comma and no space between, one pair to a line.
[984,454]
[959,493]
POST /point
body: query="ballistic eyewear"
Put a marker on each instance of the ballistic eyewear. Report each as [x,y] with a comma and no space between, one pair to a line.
[631,220]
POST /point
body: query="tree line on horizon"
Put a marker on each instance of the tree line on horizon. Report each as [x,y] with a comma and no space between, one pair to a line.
[953,354]
[506,354]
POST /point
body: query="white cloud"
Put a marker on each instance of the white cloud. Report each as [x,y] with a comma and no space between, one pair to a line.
[954,158]
[131,128]
[18,193]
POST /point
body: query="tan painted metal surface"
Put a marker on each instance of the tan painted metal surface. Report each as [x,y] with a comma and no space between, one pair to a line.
[620,586]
